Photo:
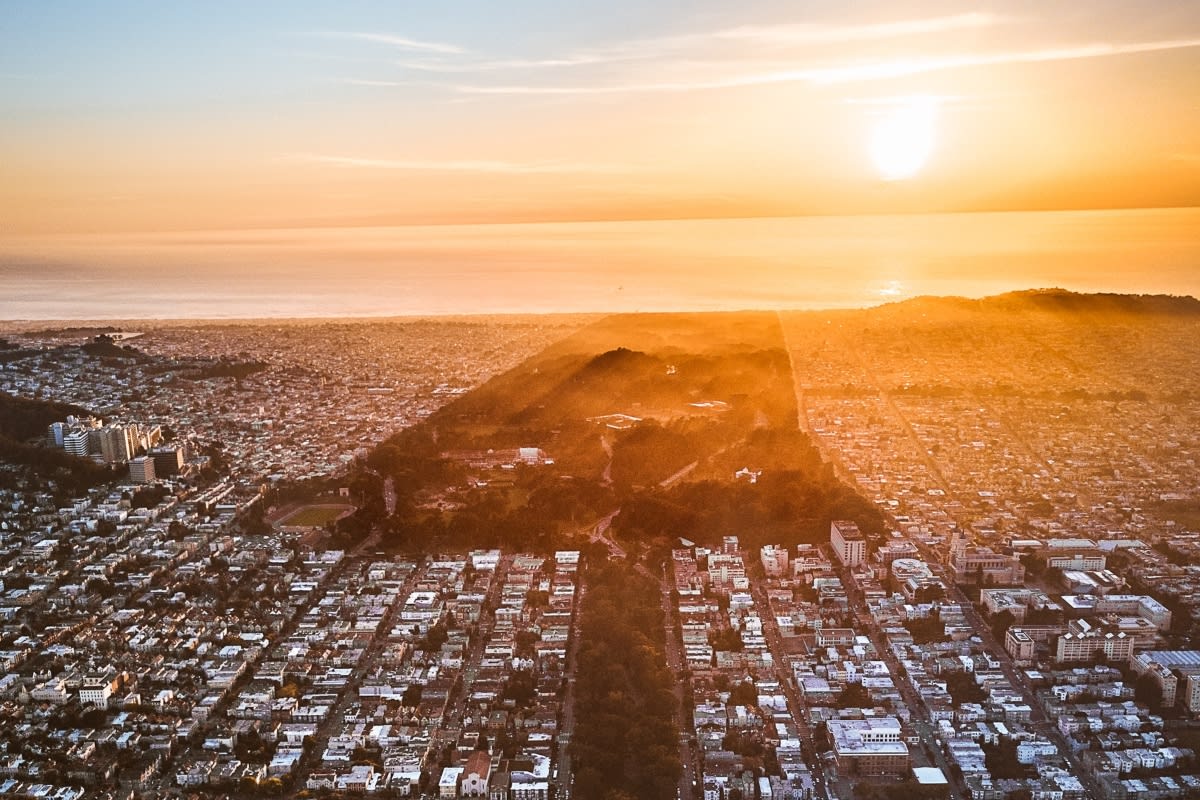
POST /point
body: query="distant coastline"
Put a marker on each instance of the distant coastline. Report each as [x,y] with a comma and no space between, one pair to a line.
[1045,299]
[809,263]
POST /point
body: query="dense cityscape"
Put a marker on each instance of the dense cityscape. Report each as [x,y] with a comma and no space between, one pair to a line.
[600,400]
[194,615]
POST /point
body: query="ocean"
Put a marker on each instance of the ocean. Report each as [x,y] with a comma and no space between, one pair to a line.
[786,263]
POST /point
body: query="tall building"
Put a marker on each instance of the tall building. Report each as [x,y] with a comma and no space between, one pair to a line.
[77,443]
[168,461]
[150,437]
[55,434]
[774,560]
[1176,673]
[848,542]
[726,572]
[141,469]
[1190,696]
[1020,645]
[119,443]
[1086,642]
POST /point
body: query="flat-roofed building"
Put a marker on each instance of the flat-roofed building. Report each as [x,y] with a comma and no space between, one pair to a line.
[141,469]
[1189,697]
[1166,667]
[848,542]
[774,560]
[77,443]
[1086,562]
[1143,606]
[981,565]
[1086,642]
[1020,645]
[448,783]
[870,746]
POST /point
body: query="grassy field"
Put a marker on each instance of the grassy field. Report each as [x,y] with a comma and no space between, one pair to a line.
[314,516]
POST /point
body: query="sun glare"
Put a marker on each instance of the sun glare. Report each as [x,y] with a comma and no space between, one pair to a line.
[902,139]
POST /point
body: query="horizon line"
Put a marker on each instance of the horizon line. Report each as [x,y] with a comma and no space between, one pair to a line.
[593,219]
[90,322]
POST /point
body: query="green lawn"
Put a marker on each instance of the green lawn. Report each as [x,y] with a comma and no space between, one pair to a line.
[314,516]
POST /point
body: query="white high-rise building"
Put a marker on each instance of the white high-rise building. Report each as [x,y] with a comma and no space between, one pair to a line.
[77,443]
[774,560]
[848,542]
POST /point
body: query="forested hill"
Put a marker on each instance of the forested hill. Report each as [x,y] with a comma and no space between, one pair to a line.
[649,414]
[23,419]
[1057,301]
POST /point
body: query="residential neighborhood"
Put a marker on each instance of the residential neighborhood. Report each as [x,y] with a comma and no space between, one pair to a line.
[1017,621]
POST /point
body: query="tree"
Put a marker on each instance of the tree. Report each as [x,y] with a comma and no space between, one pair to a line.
[625,738]
[744,694]
[854,696]
[964,689]
[93,718]
[99,586]
[520,687]
[1001,622]
[435,637]
[1146,690]
[726,639]
[927,629]
[930,593]
[1001,760]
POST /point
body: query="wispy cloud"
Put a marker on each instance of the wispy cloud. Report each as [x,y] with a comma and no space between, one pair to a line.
[728,58]
[779,35]
[402,42]
[848,73]
[578,60]
[370,82]
[796,34]
[462,165]
[900,68]
[776,36]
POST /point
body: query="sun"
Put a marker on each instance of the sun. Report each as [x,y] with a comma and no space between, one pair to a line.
[902,140]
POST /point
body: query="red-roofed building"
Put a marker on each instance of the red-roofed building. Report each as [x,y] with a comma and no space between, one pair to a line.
[476,773]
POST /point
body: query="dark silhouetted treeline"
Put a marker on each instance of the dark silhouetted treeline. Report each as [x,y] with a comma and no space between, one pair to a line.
[626,743]
[24,418]
[227,369]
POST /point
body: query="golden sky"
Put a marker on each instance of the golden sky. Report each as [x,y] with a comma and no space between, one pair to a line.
[142,117]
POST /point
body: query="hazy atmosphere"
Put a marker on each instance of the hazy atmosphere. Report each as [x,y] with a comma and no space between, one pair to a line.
[263,138]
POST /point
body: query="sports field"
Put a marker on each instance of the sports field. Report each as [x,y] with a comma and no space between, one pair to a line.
[314,516]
